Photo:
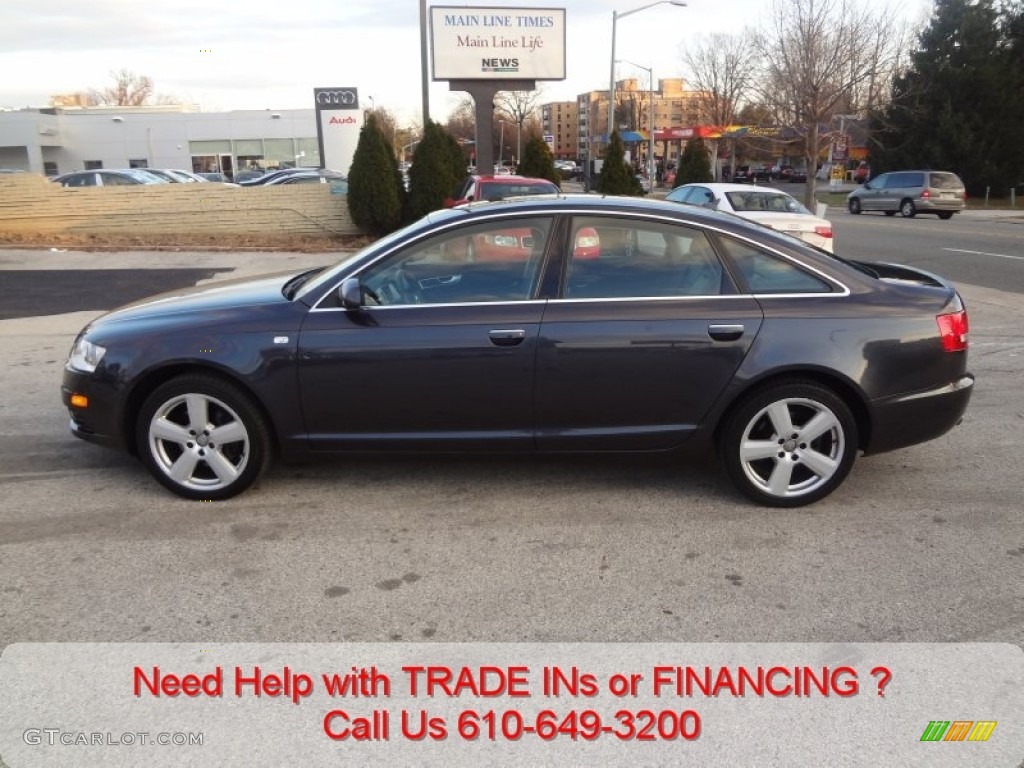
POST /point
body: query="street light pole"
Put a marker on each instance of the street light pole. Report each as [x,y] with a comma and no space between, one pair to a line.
[424,76]
[501,145]
[611,82]
[650,118]
[519,145]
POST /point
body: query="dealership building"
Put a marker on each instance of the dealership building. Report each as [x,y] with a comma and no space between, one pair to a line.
[58,140]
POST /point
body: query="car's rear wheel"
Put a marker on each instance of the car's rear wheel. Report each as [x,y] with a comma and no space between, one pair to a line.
[946,215]
[854,206]
[202,437]
[907,209]
[789,444]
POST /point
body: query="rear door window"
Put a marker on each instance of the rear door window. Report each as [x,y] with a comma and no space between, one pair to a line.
[615,258]
[81,180]
[906,180]
[945,181]
[768,273]
[679,195]
[701,196]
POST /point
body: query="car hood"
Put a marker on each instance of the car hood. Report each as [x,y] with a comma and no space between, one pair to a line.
[223,295]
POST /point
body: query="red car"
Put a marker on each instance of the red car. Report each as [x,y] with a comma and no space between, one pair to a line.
[499,188]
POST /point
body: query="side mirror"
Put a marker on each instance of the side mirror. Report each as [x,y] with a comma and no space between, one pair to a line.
[350,293]
[713,203]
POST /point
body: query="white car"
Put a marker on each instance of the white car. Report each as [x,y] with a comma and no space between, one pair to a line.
[765,205]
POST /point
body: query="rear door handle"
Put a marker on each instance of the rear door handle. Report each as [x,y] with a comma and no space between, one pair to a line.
[725,332]
[507,337]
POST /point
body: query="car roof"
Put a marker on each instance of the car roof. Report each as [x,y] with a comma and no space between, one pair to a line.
[512,178]
[599,204]
[718,186]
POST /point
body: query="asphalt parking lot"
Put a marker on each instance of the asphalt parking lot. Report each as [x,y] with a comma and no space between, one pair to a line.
[924,544]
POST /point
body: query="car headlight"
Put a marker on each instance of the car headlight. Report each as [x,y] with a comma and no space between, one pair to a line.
[85,356]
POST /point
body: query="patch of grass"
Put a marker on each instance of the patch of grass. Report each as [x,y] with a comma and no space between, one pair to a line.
[832,198]
[997,203]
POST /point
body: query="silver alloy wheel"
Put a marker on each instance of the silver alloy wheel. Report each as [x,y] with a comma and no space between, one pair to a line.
[198,442]
[792,447]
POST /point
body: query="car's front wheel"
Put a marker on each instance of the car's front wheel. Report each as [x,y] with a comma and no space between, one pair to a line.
[854,205]
[907,209]
[202,437]
[789,444]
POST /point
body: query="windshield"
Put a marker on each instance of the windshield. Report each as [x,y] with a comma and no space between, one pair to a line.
[501,190]
[762,201]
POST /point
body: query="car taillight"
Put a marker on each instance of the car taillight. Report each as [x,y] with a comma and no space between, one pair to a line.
[953,330]
[823,231]
[925,194]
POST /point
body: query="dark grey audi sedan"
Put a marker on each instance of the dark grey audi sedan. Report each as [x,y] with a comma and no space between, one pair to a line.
[537,325]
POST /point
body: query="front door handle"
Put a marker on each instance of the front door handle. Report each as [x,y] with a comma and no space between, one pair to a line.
[508,337]
[725,332]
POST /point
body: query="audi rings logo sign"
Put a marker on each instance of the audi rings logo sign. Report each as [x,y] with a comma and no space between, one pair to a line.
[336,98]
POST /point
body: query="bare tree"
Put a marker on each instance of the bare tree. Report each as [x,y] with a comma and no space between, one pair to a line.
[128,90]
[815,61]
[721,69]
[461,121]
[516,107]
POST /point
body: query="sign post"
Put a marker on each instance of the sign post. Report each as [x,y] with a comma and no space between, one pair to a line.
[486,50]
[840,153]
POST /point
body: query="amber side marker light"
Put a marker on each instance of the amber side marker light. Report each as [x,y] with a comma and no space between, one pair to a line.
[79,401]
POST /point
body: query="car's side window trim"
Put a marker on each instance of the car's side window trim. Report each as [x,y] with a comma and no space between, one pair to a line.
[843,289]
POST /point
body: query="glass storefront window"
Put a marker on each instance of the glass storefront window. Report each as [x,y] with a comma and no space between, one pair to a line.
[279,153]
[210,147]
[249,153]
[309,152]
[205,164]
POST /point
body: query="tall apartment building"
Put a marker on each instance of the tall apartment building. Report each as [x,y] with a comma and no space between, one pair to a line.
[674,107]
[559,119]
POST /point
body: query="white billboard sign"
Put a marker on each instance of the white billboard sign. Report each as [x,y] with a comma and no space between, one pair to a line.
[497,43]
[339,120]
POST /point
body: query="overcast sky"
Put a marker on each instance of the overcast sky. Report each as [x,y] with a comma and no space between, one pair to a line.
[257,54]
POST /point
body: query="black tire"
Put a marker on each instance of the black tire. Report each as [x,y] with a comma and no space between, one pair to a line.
[946,215]
[907,209]
[176,437]
[803,471]
[854,205]
[890,213]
